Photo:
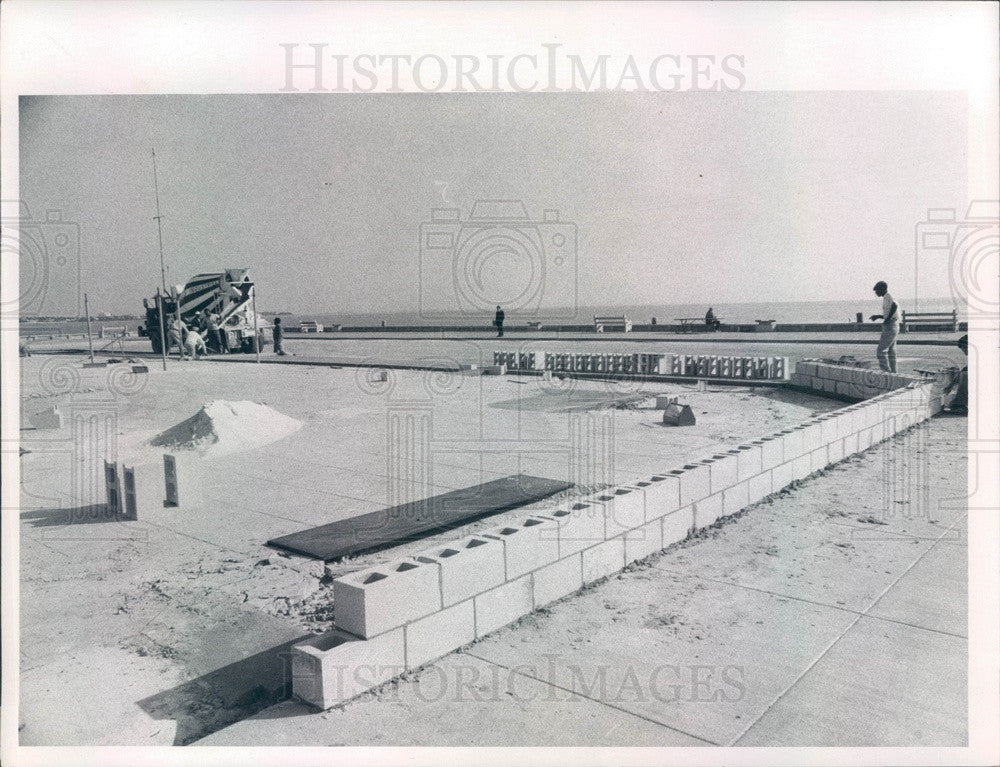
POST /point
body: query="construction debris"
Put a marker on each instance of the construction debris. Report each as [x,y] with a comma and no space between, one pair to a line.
[678,415]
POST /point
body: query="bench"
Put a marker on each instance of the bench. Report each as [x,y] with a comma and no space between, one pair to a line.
[612,322]
[689,324]
[930,320]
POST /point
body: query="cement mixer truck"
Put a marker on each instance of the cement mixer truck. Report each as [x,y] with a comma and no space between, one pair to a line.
[229,295]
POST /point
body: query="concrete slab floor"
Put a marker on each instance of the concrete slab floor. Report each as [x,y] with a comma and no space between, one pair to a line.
[719,641]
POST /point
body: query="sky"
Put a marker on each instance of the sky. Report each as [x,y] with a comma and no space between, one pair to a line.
[688,197]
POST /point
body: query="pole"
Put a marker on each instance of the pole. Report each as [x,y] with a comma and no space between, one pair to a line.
[163,340]
[180,331]
[90,340]
[159,228]
[256,326]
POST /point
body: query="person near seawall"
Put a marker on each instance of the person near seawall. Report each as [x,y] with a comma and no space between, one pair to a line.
[886,351]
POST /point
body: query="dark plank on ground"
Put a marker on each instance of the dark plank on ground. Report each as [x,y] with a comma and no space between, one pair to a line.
[412,521]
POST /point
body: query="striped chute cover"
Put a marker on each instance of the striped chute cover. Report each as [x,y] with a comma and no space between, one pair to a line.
[200,293]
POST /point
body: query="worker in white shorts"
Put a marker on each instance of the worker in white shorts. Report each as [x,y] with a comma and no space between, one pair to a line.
[176,333]
[194,344]
[886,351]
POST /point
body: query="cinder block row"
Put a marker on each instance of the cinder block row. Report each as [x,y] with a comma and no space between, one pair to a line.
[846,380]
[516,360]
[403,614]
[696,366]
[644,364]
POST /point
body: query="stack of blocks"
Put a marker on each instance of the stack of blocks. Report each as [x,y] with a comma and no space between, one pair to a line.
[398,616]
[846,381]
[755,368]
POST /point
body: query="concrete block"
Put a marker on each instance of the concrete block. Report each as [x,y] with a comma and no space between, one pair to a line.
[495,370]
[735,498]
[663,401]
[759,486]
[748,460]
[50,418]
[846,423]
[185,478]
[603,559]
[707,510]
[864,439]
[845,389]
[829,427]
[555,581]
[723,471]
[791,443]
[781,476]
[677,525]
[836,451]
[581,525]
[805,367]
[469,566]
[871,413]
[381,598]
[850,443]
[799,379]
[802,467]
[528,544]
[624,509]
[772,451]
[812,436]
[504,604]
[663,494]
[440,633]
[836,373]
[678,415]
[819,459]
[643,541]
[335,667]
[695,482]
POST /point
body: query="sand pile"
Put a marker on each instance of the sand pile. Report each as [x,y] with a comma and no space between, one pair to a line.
[222,427]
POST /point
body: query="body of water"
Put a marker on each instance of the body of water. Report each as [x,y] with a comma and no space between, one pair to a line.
[790,311]
[665,314]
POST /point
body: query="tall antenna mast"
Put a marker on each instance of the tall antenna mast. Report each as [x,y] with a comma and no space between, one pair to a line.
[159,227]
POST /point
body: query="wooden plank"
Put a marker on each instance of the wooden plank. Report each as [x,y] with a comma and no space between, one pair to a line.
[415,520]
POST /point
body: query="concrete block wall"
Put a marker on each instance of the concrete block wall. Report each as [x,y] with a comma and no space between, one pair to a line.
[693,366]
[398,616]
[847,381]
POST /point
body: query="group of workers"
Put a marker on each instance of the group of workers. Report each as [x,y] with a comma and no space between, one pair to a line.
[190,339]
[206,334]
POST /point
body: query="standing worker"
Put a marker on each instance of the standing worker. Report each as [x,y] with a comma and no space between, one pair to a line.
[498,321]
[278,333]
[176,333]
[886,351]
[215,336]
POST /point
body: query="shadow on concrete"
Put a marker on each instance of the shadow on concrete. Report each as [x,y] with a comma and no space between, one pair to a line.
[78,515]
[227,695]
